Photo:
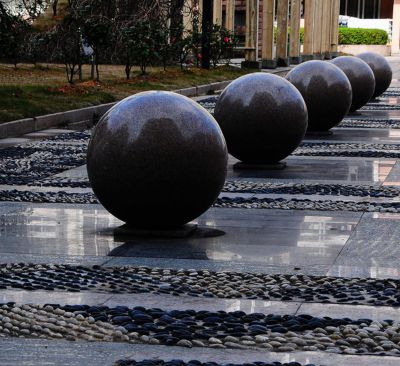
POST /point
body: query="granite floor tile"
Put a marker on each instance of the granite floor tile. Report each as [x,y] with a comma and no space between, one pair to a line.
[349,271]
[167,302]
[36,352]
[349,311]
[53,297]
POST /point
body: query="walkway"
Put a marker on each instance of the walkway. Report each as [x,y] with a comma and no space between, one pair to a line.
[315,246]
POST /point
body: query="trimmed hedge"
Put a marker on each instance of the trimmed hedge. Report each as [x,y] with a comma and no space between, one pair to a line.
[362,36]
[355,36]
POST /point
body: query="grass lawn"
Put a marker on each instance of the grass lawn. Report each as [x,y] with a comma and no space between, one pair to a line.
[30,91]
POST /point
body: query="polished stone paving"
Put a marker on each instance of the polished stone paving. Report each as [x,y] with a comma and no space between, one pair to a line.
[341,244]
[43,352]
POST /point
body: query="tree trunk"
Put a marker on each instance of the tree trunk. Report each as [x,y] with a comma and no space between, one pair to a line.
[54,5]
[97,71]
[206,30]
[92,68]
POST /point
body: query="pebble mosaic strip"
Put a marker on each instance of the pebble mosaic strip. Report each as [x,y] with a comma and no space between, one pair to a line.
[312,189]
[199,363]
[380,107]
[209,104]
[190,328]
[224,202]
[23,164]
[232,285]
[306,204]
[369,123]
[391,93]
[47,197]
[329,146]
[348,150]
[62,182]
[77,136]
[262,188]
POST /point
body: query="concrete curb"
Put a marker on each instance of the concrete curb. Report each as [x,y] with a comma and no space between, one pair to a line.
[92,114]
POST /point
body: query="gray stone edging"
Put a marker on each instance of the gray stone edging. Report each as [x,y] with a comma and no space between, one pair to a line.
[90,114]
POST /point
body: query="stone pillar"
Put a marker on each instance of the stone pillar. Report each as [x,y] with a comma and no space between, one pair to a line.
[230,15]
[200,7]
[187,16]
[326,29]
[282,16]
[267,47]
[251,46]
[308,51]
[396,28]
[217,12]
[317,40]
[335,28]
[295,14]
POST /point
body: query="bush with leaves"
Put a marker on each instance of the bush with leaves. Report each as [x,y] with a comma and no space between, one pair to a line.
[13,32]
[222,43]
[37,47]
[362,36]
[97,31]
[141,45]
[66,41]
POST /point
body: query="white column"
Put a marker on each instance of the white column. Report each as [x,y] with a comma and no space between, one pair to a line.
[396,27]
[217,12]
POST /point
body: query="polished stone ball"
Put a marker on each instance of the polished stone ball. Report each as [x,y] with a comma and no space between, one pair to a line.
[263,118]
[326,91]
[381,69]
[157,160]
[361,78]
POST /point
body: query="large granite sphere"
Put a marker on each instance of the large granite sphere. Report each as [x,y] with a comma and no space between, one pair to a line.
[381,69]
[326,91]
[157,160]
[263,118]
[361,78]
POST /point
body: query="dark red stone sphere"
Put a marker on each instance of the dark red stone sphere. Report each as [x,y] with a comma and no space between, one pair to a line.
[361,78]
[263,118]
[326,91]
[381,70]
[157,160]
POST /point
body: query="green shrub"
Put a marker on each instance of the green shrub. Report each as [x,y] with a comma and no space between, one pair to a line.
[354,36]
[362,36]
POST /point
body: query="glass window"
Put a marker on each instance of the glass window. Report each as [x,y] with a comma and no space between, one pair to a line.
[352,8]
[342,7]
[369,9]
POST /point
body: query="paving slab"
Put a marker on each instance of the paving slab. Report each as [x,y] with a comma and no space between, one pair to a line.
[352,271]
[251,235]
[374,243]
[167,302]
[34,352]
[350,311]
[359,134]
[323,169]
